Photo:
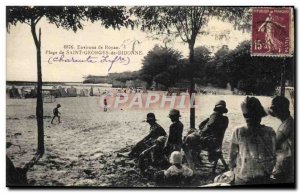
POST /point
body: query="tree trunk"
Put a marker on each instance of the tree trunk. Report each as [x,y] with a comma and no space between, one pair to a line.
[39,99]
[283,78]
[39,105]
[192,85]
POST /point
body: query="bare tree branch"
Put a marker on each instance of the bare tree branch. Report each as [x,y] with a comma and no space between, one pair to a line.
[185,28]
[38,19]
[27,23]
[184,40]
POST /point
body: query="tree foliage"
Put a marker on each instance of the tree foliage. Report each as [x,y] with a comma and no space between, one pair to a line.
[257,75]
[69,17]
[202,58]
[187,22]
[162,66]
[217,71]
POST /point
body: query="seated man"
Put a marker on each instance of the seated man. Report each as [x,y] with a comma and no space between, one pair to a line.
[209,137]
[154,156]
[174,141]
[155,131]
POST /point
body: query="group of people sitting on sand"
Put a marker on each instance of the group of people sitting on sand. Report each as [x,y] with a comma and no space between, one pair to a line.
[257,154]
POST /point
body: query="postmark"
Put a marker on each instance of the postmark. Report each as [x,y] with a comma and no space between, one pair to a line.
[272,32]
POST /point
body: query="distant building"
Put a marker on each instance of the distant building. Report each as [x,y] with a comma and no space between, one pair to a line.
[95,79]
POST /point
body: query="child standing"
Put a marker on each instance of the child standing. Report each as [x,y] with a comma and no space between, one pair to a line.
[56,113]
[105,105]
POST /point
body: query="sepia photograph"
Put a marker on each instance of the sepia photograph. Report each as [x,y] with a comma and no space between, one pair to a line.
[150,96]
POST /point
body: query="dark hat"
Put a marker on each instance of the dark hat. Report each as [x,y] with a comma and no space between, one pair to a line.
[175,113]
[280,104]
[252,108]
[58,105]
[150,116]
[221,107]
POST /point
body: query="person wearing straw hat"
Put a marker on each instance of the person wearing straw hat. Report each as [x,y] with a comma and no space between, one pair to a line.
[283,171]
[155,131]
[174,141]
[252,148]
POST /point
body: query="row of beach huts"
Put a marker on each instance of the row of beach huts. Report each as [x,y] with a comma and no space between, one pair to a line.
[57,92]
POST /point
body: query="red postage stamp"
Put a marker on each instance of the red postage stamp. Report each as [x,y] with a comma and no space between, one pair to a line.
[272,32]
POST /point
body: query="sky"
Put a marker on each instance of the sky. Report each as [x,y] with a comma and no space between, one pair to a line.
[21,53]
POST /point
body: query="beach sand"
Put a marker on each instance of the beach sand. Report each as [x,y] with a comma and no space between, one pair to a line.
[83,149]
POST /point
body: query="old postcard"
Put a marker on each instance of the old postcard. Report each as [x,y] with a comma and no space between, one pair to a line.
[150,96]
